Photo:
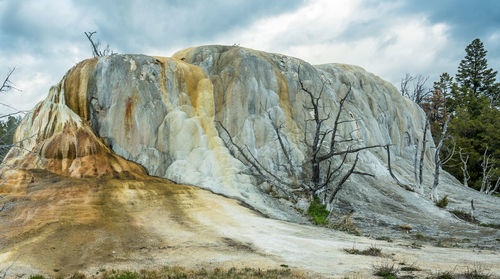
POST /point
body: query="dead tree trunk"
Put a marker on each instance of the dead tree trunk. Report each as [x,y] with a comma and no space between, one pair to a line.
[320,154]
[437,161]
[415,163]
[465,172]
[488,171]
[422,156]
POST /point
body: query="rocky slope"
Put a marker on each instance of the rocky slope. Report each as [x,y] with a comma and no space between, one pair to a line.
[135,116]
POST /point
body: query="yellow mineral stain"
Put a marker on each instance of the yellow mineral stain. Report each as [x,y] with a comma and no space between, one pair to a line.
[133,66]
[163,79]
[284,99]
[199,90]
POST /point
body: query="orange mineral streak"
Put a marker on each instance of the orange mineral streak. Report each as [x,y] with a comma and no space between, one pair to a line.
[129,108]
[75,86]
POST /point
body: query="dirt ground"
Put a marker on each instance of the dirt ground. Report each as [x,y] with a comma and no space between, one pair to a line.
[56,225]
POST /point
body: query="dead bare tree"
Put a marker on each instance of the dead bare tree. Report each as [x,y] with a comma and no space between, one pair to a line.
[7,83]
[492,189]
[465,172]
[419,181]
[414,88]
[96,46]
[438,163]
[415,162]
[325,159]
[488,171]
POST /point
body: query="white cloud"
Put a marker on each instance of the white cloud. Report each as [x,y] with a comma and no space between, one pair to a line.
[319,33]
[43,39]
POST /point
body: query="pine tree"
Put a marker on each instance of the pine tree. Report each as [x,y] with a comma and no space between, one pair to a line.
[473,102]
[474,74]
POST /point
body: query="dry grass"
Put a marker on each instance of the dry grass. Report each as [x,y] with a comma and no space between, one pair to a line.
[386,271]
[346,225]
[183,273]
[372,251]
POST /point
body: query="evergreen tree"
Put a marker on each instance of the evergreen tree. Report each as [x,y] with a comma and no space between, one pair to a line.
[474,74]
[473,102]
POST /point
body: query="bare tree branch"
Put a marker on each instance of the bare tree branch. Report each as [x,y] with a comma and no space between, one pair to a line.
[96,46]
[344,179]
[419,92]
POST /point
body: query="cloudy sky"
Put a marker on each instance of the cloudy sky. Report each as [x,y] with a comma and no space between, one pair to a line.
[43,39]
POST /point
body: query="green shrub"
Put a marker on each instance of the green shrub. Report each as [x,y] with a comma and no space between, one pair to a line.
[442,203]
[36,277]
[318,212]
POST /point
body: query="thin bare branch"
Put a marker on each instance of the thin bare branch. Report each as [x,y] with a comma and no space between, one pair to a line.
[344,179]
[387,148]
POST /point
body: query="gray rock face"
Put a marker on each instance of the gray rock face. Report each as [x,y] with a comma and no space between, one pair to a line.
[162,114]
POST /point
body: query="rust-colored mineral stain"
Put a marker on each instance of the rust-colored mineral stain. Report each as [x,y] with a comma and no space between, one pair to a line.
[129,108]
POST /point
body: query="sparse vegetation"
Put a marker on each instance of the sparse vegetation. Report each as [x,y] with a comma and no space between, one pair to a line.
[443,275]
[476,272]
[443,202]
[79,276]
[415,245]
[346,225]
[121,275]
[410,268]
[386,271]
[318,212]
[385,238]
[372,251]
[464,216]
[494,226]
[180,272]
[422,237]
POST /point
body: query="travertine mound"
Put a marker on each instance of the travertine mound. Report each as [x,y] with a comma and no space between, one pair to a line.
[161,114]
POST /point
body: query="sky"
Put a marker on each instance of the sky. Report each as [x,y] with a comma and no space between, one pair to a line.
[43,39]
